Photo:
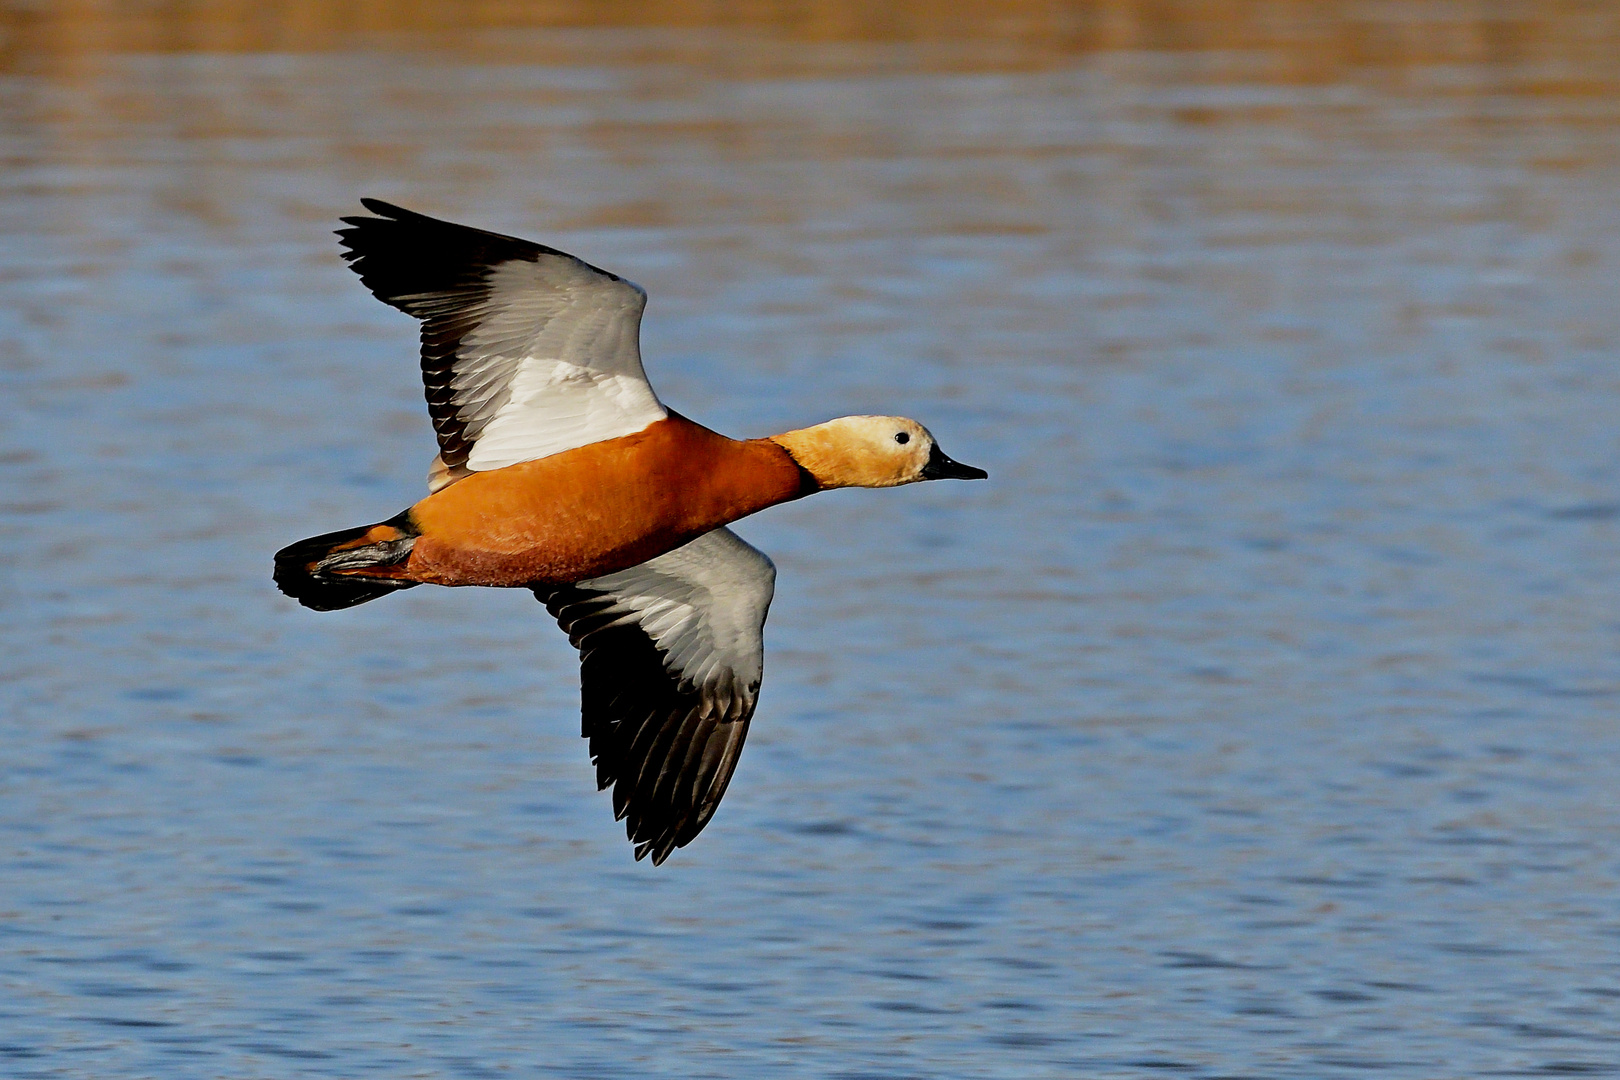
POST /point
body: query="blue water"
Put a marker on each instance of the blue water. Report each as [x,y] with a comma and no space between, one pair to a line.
[1257,718]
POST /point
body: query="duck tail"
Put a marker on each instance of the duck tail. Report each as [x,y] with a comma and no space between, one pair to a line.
[341,569]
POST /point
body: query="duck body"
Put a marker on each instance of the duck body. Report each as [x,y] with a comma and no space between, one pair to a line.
[595,509]
[559,470]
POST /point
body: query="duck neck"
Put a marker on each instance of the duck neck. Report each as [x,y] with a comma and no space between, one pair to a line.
[815,452]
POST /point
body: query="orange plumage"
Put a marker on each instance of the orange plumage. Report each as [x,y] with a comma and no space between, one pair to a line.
[595,509]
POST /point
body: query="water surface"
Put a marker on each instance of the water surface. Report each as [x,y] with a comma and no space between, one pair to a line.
[1256,719]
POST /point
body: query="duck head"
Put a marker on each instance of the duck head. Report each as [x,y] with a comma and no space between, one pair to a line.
[872,451]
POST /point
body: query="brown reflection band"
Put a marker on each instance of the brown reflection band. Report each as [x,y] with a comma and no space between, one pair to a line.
[1559,46]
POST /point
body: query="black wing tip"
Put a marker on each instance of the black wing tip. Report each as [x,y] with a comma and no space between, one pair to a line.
[640,721]
[385,209]
[659,850]
[658,823]
[393,214]
[360,229]
[388,214]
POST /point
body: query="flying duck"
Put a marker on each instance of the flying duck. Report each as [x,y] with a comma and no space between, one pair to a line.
[560,471]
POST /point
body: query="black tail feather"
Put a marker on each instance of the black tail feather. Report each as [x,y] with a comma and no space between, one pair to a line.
[303,570]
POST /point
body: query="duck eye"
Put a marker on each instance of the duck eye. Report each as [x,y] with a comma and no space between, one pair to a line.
[902,437]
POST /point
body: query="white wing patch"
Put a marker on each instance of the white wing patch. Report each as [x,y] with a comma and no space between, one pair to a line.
[578,377]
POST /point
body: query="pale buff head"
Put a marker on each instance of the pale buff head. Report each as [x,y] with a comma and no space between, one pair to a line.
[872,451]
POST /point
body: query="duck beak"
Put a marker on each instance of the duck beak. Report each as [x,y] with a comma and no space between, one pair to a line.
[940,467]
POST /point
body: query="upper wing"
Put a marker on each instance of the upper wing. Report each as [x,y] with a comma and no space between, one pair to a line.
[671,655]
[526,351]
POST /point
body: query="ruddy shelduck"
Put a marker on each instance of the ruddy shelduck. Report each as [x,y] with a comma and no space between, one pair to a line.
[560,471]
